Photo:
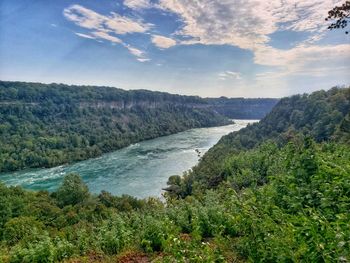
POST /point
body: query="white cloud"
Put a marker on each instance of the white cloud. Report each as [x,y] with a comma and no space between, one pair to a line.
[230,75]
[137,4]
[85,36]
[114,23]
[141,56]
[303,57]
[221,22]
[106,27]
[163,42]
[143,59]
[264,74]
[123,25]
[84,17]
[246,23]
[304,61]
[135,51]
[106,36]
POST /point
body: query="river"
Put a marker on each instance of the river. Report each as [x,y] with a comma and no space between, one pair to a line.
[140,170]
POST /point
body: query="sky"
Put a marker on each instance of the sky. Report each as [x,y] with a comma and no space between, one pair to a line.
[210,48]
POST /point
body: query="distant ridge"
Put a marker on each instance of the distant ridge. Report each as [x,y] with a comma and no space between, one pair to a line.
[45,125]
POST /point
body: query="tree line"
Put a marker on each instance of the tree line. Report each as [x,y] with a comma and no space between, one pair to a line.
[48,125]
[45,125]
[283,197]
[322,115]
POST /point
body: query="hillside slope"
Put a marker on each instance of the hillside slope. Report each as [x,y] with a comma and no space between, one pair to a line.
[48,125]
[45,125]
[284,199]
[322,115]
[241,108]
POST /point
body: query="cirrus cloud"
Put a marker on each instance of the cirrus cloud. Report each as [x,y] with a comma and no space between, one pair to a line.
[85,36]
[114,22]
[105,36]
[249,24]
[106,27]
[245,23]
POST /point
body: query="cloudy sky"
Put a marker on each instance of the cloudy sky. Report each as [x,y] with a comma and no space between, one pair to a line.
[249,48]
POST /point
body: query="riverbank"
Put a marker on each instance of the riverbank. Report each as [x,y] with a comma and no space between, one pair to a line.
[140,170]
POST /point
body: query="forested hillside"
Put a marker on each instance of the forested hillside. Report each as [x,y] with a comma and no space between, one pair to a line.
[241,108]
[47,125]
[283,196]
[322,115]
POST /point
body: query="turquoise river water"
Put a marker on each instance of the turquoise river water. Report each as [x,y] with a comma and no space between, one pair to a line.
[141,169]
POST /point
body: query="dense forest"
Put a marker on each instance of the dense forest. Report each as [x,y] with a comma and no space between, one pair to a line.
[241,108]
[276,191]
[322,115]
[47,125]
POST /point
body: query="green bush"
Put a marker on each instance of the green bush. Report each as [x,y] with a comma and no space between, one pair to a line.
[114,236]
[72,191]
[299,214]
[22,228]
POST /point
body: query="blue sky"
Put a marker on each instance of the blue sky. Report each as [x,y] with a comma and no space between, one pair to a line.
[211,48]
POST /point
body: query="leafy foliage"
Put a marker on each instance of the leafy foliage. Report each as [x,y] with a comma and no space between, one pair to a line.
[72,191]
[341,14]
[281,199]
[48,125]
[323,115]
[293,206]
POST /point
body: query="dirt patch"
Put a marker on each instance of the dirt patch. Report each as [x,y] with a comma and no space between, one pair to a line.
[133,257]
[91,257]
[185,237]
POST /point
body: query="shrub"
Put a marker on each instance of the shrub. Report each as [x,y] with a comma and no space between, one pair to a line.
[22,227]
[72,191]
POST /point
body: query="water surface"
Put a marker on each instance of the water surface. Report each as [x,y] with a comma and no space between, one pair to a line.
[141,169]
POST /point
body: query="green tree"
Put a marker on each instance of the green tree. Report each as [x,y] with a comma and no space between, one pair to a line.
[72,191]
[19,228]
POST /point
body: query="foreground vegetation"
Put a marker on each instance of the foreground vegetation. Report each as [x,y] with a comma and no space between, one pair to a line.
[289,204]
[283,198]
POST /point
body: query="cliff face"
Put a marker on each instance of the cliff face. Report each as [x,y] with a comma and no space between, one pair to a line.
[148,104]
[241,108]
[48,125]
[231,108]
[32,94]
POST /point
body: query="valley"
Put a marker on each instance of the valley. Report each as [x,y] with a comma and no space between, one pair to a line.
[140,170]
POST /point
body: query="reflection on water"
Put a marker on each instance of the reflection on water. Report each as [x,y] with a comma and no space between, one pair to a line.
[140,170]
